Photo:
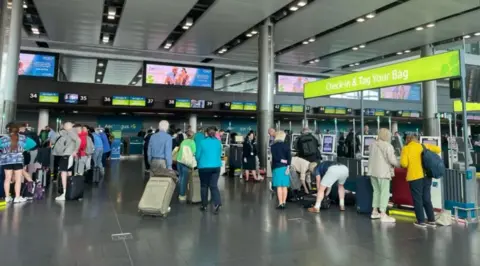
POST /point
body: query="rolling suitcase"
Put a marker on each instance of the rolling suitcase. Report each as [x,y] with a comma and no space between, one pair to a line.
[158,193]
[75,187]
[401,194]
[364,194]
[235,159]
[193,188]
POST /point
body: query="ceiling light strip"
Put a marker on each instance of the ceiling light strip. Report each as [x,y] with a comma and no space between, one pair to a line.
[32,23]
[282,13]
[137,79]
[112,12]
[100,70]
[186,23]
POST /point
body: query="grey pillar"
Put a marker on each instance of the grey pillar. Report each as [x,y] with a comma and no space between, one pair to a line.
[265,89]
[429,91]
[11,26]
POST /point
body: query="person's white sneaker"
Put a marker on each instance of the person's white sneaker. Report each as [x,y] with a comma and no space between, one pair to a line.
[19,200]
[375,215]
[8,199]
[387,219]
[61,197]
[182,198]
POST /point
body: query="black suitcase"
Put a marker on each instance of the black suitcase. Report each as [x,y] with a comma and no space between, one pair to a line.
[235,157]
[89,176]
[75,187]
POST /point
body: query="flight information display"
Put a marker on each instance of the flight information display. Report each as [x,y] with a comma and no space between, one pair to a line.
[134,101]
[290,108]
[332,110]
[48,97]
[188,103]
[177,75]
[407,114]
[374,112]
[238,106]
[55,97]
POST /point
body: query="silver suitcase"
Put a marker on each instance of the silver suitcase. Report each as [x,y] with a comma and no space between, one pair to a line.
[194,187]
[157,195]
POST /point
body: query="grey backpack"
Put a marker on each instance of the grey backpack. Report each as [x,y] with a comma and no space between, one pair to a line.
[90,146]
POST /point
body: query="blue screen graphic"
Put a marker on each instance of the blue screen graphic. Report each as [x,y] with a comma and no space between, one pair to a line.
[36,65]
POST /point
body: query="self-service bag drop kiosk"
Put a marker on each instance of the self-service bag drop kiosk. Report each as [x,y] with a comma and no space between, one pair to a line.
[367,140]
[328,143]
[436,189]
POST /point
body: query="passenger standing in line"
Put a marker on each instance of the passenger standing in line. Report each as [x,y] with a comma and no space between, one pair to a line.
[160,148]
[281,159]
[185,163]
[98,152]
[250,157]
[271,135]
[146,140]
[66,146]
[381,163]
[199,136]
[106,146]
[308,147]
[81,156]
[110,138]
[420,185]
[12,147]
[209,162]
[30,155]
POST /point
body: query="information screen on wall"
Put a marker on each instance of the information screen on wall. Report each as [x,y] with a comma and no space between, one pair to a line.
[292,84]
[407,114]
[238,106]
[178,75]
[333,110]
[409,92]
[134,101]
[289,108]
[37,64]
[188,103]
[48,97]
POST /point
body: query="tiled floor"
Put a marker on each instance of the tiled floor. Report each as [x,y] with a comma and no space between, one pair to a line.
[249,231]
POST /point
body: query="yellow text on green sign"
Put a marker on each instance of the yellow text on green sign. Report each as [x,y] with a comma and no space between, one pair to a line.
[471,107]
[433,67]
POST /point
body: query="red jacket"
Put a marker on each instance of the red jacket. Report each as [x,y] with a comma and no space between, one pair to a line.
[83,143]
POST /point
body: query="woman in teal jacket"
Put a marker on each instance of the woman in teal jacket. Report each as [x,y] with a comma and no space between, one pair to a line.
[12,147]
[209,162]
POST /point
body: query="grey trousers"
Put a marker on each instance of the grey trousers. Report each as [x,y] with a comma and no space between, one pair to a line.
[80,164]
[157,164]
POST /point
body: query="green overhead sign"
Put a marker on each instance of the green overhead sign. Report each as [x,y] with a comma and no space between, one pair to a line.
[446,65]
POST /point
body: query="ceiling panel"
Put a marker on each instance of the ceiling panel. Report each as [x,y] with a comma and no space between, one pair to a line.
[121,72]
[225,20]
[402,17]
[76,21]
[442,31]
[234,79]
[145,24]
[79,69]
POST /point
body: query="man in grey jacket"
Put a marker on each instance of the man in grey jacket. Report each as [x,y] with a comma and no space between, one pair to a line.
[66,145]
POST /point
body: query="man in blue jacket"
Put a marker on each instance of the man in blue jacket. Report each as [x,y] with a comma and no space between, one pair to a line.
[106,147]
[160,148]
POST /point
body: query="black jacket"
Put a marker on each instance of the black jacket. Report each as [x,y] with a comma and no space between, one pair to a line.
[249,149]
[280,152]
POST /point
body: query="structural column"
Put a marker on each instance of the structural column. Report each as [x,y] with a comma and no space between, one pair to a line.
[430,108]
[192,121]
[394,127]
[265,88]
[11,25]
[43,117]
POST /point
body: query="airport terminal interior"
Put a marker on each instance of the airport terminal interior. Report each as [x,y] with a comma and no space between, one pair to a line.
[338,71]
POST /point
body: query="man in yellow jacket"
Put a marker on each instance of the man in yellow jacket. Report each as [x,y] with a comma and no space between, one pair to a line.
[420,185]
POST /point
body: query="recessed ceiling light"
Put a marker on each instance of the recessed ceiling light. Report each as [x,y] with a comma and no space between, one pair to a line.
[100,73]
[167,46]
[35,30]
[123,113]
[293,8]
[99,80]
[407,51]
[100,64]
[477,34]
[189,22]
[252,117]
[25,5]
[75,112]
[105,38]
[139,76]
[362,46]
[371,15]
[419,28]
[431,25]
[302,3]
[248,35]
[311,39]
[185,27]
[227,75]
[399,53]
[112,11]
[215,116]
[351,65]
[111,17]
[357,64]
[305,42]
[253,32]
[360,19]
[355,48]
[133,83]
[312,62]
[466,36]
[317,60]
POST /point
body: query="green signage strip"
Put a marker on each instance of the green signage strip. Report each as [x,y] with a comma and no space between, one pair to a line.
[446,65]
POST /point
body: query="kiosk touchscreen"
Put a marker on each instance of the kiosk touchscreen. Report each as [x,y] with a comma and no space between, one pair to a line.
[436,189]
[366,142]
[329,146]
[225,139]
[430,140]
[293,143]
[397,144]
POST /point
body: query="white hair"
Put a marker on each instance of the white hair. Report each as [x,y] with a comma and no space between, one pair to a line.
[67,126]
[163,125]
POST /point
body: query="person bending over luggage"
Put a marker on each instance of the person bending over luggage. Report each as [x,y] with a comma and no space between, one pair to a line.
[411,158]
[185,163]
[250,157]
[381,163]
[66,146]
[281,159]
[302,167]
[12,147]
[326,174]
[160,148]
[308,146]
[209,162]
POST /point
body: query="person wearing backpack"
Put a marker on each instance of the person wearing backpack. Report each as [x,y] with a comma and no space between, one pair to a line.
[185,163]
[308,147]
[412,158]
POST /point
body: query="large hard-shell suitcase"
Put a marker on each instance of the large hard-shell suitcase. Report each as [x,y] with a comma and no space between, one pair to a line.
[401,194]
[193,187]
[364,194]
[235,157]
[158,194]
[75,187]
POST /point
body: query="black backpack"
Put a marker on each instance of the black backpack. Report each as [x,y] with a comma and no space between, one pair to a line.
[308,145]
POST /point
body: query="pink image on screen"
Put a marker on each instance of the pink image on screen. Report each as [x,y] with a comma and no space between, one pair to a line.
[170,75]
[293,84]
[24,62]
[401,92]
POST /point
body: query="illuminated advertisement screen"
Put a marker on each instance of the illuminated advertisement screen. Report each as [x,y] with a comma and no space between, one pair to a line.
[48,97]
[183,103]
[137,101]
[178,75]
[121,100]
[292,84]
[410,92]
[36,65]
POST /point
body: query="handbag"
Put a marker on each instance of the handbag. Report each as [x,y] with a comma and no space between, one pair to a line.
[188,158]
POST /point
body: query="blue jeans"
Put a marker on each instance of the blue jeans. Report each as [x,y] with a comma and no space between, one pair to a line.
[97,158]
[422,199]
[184,173]
[209,180]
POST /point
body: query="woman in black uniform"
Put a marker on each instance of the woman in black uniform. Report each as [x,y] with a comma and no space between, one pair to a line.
[250,157]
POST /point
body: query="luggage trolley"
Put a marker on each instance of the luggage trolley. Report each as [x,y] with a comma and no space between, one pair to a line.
[436,189]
